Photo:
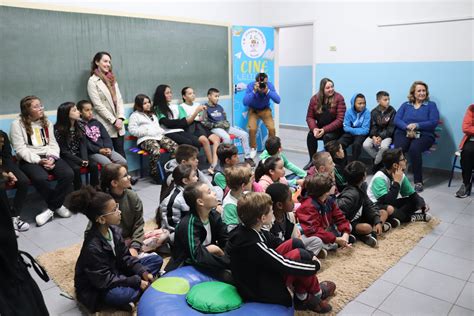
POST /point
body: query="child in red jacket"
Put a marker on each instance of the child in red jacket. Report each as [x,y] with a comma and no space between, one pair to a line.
[320,216]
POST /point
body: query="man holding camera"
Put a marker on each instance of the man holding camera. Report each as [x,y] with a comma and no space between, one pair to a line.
[257,99]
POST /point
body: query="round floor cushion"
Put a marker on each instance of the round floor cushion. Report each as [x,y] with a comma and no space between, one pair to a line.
[214,297]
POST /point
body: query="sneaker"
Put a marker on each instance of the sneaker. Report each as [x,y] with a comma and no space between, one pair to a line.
[322,254]
[308,165]
[386,227]
[421,217]
[327,288]
[250,161]
[44,217]
[462,192]
[63,212]
[369,240]
[312,303]
[253,153]
[134,180]
[419,187]
[19,224]
[352,239]
[395,222]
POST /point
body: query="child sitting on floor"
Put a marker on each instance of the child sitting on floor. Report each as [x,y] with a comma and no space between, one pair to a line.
[270,171]
[239,179]
[106,273]
[263,266]
[334,148]
[320,216]
[390,182]
[273,148]
[228,155]
[366,219]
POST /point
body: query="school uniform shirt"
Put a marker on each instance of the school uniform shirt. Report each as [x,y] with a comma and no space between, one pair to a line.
[190,237]
[383,190]
[101,267]
[230,216]
[258,270]
[173,208]
[190,109]
[31,148]
[315,217]
[145,127]
[173,122]
[355,204]
[106,111]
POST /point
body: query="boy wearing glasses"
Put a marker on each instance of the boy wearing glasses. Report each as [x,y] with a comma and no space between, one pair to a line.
[390,182]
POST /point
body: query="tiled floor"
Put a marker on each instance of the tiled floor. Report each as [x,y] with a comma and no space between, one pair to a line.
[435,278]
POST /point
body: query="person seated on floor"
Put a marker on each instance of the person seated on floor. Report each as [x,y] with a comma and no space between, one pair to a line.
[201,235]
[273,148]
[366,219]
[174,207]
[284,227]
[390,182]
[264,267]
[334,148]
[467,153]
[106,273]
[269,171]
[320,216]
[239,180]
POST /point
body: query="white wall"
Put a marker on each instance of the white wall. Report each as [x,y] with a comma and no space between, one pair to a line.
[295,46]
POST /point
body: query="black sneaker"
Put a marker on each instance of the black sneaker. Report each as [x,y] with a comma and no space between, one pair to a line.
[250,161]
[352,239]
[462,192]
[313,304]
[386,227]
[369,240]
[134,180]
[419,187]
[421,217]
[308,165]
[395,222]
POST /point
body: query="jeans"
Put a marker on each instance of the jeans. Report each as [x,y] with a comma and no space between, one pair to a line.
[104,160]
[239,133]
[266,116]
[376,152]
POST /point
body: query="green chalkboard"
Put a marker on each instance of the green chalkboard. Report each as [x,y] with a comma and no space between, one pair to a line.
[48,54]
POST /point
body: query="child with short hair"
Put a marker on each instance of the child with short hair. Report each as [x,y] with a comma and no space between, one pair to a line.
[264,267]
[270,171]
[228,155]
[382,127]
[205,136]
[99,143]
[173,207]
[239,179]
[273,148]
[367,220]
[201,235]
[215,119]
[106,273]
[334,148]
[390,182]
[320,216]
[284,227]
[356,125]
[73,144]
[144,125]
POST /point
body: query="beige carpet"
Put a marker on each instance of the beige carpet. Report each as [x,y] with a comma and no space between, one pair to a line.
[353,270]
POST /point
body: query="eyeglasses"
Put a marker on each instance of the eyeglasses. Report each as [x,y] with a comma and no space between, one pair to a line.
[126,175]
[37,107]
[116,209]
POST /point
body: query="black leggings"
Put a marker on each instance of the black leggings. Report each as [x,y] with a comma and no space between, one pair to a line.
[185,138]
[312,142]
[118,143]
[467,162]
[21,190]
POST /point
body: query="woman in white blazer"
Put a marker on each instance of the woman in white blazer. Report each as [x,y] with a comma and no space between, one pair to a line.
[105,96]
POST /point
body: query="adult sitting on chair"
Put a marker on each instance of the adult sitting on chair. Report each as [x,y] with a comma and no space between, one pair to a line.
[467,153]
[415,123]
[257,99]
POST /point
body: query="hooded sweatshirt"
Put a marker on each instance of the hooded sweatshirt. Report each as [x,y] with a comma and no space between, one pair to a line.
[356,123]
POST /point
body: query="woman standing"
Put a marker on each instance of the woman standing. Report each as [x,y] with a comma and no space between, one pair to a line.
[325,116]
[105,95]
[415,123]
[467,153]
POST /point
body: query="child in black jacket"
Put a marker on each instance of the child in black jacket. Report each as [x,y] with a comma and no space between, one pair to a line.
[201,235]
[263,266]
[366,218]
[106,273]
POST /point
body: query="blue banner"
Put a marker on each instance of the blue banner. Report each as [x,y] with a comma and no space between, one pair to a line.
[252,52]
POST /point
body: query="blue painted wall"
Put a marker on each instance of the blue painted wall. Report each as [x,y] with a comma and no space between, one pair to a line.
[450,85]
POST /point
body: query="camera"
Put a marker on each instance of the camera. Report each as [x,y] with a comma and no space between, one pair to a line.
[261,81]
[262,85]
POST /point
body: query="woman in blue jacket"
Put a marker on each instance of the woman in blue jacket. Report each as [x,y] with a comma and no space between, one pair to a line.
[356,125]
[415,123]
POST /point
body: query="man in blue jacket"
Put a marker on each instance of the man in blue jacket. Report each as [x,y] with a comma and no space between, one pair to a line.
[257,99]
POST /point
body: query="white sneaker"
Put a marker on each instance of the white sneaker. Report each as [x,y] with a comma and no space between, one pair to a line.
[253,153]
[63,212]
[19,224]
[44,217]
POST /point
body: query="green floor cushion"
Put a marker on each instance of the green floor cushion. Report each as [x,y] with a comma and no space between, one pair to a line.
[214,297]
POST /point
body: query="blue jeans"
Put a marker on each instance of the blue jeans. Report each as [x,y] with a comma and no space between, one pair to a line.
[120,296]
